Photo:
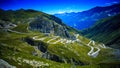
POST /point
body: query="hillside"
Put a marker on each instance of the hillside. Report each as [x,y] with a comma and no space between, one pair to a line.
[106,31]
[33,39]
[38,21]
[85,19]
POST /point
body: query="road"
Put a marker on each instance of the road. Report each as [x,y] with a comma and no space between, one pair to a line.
[15,31]
[102,45]
[91,52]
[35,38]
[94,54]
[53,39]
[57,41]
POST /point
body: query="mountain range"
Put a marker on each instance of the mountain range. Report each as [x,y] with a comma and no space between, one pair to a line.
[85,19]
[34,39]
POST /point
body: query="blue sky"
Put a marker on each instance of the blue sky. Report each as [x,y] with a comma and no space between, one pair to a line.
[55,6]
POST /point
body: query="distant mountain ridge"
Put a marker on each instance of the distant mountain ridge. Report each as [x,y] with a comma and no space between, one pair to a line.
[85,19]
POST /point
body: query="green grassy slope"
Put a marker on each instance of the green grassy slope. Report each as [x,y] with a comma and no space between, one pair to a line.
[37,20]
[18,47]
[13,48]
[106,30]
[20,15]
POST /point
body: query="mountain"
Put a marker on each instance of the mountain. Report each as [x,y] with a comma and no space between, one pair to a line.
[85,19]
[105,30]
[38,21]
[34,39]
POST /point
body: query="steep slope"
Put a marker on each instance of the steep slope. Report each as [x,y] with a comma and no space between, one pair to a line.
[85,19]
[24,43]
[106,30]
[37,21]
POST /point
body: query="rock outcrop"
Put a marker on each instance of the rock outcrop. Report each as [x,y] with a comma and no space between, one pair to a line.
[4,64]
[45,25]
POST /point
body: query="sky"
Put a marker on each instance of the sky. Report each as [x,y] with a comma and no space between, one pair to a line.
[55,6]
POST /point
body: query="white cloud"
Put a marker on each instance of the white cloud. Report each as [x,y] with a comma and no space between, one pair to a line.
[61,12]
[112,3]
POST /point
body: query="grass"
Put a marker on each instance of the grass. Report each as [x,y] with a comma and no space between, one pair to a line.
[106,30]
[21,28]
[12,47]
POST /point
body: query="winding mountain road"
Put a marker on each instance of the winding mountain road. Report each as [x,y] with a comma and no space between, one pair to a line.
[9,29]
[102,45]
[57,41]
[91,52]
[53,39]
[94,54]
[15,31]
[35,38]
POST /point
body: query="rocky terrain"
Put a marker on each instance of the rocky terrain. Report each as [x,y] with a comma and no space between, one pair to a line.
[33,39]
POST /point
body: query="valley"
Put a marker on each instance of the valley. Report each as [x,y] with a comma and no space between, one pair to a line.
[63,48]
[33,39]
